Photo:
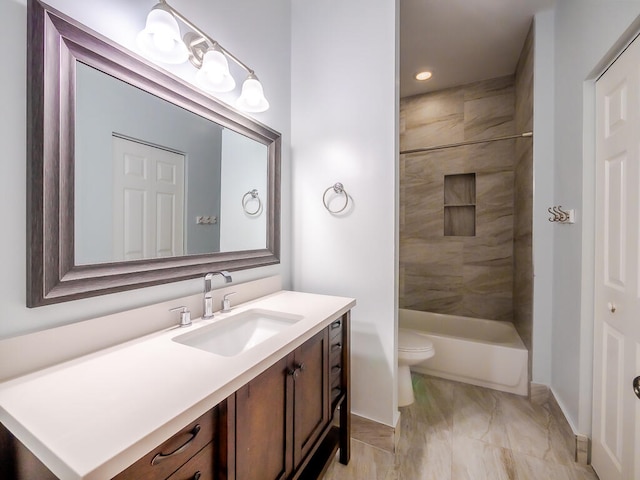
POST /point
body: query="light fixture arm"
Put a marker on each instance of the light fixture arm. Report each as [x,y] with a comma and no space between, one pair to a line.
[206,37]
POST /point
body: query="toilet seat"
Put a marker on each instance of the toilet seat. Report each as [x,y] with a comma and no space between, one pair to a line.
[412,342]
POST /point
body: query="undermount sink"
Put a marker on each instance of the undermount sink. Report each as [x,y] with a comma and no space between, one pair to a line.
[238,333]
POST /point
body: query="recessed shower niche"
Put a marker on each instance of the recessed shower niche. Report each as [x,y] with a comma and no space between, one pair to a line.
[460,205]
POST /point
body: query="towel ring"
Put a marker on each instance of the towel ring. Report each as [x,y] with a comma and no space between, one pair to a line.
[253,194]
[338,188]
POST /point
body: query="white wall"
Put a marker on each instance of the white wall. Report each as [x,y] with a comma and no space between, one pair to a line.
[344,117]
[584,32]
[244,168]
[258,32]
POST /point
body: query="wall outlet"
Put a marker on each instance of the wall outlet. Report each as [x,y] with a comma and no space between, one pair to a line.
[206,220]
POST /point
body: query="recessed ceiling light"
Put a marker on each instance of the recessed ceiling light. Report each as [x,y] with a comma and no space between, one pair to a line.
[423,75]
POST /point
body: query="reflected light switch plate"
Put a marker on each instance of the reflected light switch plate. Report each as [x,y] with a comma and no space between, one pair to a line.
[206,220]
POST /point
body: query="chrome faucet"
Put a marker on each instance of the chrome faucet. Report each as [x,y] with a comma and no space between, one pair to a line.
[208,291]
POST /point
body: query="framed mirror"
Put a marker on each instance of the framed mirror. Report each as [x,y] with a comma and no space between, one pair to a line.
[134,177]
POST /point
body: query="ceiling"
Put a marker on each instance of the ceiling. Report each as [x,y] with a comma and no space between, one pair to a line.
[461,41]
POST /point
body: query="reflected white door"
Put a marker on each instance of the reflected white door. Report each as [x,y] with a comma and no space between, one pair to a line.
[616,409]
[148,201]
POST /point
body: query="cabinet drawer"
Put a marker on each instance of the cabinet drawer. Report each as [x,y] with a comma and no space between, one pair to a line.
[335,374]
[169,456]
[335,360]
[335,352]
[200,467]
[335,330]
[335,393]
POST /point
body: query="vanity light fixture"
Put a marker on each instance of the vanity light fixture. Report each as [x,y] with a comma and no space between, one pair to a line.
[161,41]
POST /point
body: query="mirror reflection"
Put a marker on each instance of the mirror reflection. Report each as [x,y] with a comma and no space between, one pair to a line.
[155,180]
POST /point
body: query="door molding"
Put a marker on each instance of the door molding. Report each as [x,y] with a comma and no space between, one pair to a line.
[587,316]
[616,266]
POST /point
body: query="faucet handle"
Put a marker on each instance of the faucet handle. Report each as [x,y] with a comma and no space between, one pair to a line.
[185,315]
[226,302]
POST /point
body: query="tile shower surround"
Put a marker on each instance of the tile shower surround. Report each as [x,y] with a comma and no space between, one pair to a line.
[461,432]
[523,200]
[487,276]
[465,275]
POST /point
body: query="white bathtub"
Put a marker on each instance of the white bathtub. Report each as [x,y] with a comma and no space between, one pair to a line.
[487,353]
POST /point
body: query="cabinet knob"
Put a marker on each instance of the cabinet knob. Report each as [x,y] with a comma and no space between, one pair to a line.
[295,371]
[611,307]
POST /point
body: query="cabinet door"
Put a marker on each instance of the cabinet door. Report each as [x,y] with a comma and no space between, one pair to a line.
[263,427]
[311,393]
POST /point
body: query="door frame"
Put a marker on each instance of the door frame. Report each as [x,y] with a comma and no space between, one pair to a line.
[587,323]
[118,179]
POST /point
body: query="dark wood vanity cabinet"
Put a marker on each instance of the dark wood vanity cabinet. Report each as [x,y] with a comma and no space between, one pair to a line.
[279,426]
[281,413]
[310,394]
[262,428]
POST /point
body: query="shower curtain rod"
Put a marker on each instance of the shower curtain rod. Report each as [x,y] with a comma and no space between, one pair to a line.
[470,142]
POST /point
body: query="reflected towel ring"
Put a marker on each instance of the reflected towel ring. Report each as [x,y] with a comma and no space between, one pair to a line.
[338,188]
[253,194]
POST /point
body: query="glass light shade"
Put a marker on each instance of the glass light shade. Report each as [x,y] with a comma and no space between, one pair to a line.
[214,73]
[160,40]
[252,98]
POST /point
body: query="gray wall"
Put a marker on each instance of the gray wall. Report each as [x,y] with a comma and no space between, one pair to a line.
[105,105]
[543,180]
[584,33]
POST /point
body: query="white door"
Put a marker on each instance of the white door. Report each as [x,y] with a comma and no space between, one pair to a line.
[616,408]
[148,201]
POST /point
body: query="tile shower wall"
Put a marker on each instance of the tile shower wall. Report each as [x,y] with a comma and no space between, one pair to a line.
[462,275]
[523,199]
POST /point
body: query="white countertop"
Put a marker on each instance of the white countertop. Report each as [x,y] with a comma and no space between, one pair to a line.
[92,417]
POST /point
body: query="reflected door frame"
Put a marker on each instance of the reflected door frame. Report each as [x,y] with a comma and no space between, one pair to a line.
[148,201]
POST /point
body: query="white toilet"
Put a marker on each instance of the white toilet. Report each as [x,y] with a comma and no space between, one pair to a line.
[413,348]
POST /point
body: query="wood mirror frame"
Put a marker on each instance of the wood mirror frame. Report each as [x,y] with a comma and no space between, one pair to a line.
[55,43]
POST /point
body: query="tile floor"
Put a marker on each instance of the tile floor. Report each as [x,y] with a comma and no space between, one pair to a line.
[460,432]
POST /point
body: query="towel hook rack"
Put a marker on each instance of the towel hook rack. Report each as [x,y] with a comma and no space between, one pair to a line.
[338,189]
[559,215]
[247,197]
